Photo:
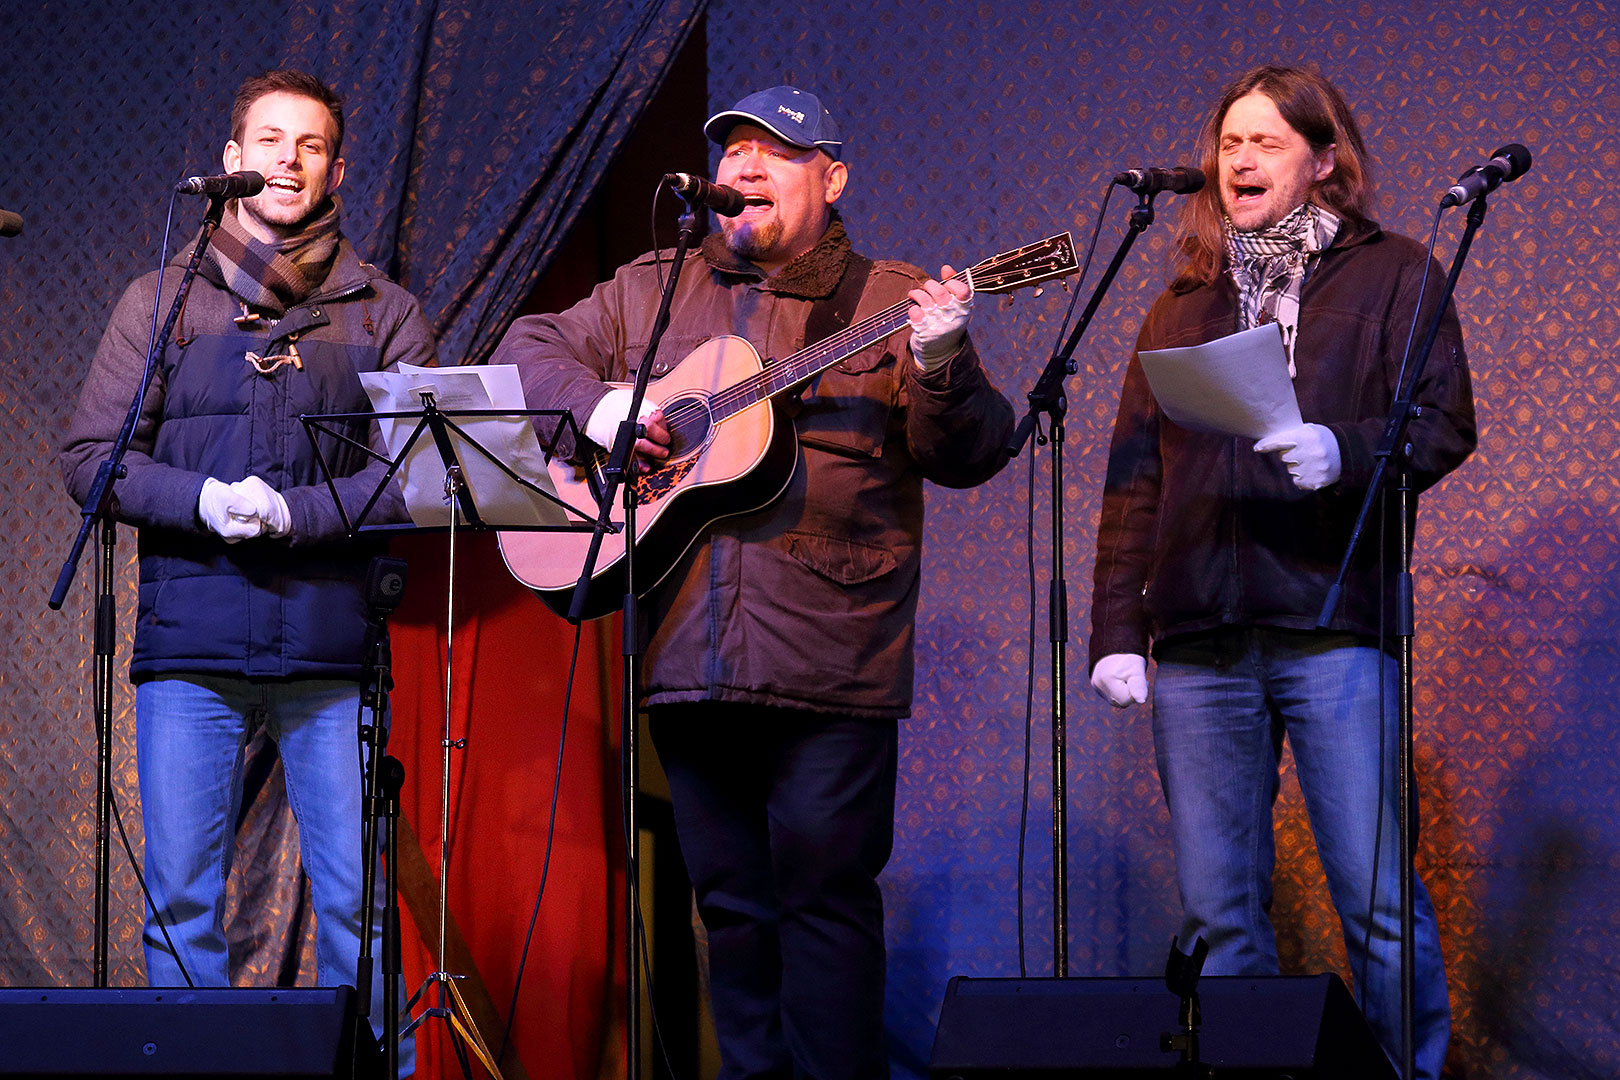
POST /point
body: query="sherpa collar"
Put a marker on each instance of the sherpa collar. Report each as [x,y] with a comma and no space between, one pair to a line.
[812,276]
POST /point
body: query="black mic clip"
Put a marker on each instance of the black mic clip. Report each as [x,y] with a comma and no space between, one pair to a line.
[1508,163]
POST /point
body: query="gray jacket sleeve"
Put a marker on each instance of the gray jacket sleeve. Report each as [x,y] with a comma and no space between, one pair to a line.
[150,493]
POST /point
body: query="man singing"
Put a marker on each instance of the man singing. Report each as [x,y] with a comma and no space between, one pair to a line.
[252,612]
[780,657]
[1219,552]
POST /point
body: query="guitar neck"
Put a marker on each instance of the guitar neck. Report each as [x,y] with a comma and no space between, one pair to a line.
[780,375]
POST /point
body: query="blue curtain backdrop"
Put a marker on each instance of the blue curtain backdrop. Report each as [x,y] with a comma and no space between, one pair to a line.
[475,133]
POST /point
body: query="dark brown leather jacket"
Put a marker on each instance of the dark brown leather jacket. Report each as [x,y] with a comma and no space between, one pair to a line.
[810,602]
[1198,531]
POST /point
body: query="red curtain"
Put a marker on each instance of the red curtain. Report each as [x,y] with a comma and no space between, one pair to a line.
[511,659]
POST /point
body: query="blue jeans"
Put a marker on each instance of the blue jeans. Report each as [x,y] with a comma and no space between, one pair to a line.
[190,733]
[785,819]
[1222,703]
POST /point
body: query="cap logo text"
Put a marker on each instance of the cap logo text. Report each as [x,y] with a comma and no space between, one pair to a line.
[796,117]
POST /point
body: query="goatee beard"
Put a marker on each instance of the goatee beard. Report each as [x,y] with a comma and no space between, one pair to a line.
[750,242]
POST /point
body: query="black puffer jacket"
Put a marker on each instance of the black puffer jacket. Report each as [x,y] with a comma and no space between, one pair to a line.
[1198,531]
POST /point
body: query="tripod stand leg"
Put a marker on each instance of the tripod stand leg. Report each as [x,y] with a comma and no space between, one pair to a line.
[452,1009]
[461,1020]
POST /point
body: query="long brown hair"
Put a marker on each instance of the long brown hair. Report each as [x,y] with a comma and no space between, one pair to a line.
[1313,107]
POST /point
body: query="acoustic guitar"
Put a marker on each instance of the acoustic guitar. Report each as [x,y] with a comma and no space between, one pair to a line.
[731,452]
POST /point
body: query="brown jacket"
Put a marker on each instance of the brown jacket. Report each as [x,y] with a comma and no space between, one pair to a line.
[810,602]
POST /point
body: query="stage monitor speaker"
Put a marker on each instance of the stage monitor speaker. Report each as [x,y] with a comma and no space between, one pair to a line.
[1296,1027]
[173,1031]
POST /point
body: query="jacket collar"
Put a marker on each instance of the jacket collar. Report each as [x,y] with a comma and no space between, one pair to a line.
[1353,232]
[813,275]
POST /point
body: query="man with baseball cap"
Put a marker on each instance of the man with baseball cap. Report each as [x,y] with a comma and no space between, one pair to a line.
[780,657]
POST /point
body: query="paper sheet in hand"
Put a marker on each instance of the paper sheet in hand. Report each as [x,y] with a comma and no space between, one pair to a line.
[500,500]
[1235,385]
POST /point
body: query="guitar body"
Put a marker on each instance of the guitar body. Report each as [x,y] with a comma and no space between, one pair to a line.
[717,468]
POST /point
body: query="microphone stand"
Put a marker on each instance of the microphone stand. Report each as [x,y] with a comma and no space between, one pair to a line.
[1047,398]
[619,470]
[382,776]
[97,509]
[1394,451]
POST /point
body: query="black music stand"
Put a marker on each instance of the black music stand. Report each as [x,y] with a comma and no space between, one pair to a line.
[451,443]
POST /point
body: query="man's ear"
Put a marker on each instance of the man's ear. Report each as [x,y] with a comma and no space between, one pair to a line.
[837,177]
[1325,160]
[334,176]
[232,158]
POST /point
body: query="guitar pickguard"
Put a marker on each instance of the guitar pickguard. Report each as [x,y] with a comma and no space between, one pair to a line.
[655,485]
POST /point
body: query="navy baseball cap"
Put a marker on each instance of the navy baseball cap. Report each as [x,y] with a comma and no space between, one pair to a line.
[792,115]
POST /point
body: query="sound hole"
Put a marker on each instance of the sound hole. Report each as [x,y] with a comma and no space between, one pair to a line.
[689,425]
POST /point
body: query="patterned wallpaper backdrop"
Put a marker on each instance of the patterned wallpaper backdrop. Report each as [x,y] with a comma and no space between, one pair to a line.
[975,127]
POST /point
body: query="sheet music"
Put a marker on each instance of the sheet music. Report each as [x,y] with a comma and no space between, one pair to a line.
[511,439]
[1235,385]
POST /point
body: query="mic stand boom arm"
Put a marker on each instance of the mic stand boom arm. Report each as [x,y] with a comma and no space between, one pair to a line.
[1401,414]
[1047,397]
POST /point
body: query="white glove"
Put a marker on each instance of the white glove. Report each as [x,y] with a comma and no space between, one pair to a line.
[609,414]
[1311,453]
[268,503]
[228,512]
[1121,678]
[938,326]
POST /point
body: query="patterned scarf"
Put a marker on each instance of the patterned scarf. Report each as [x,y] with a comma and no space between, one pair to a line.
[1269,268]
[273,277]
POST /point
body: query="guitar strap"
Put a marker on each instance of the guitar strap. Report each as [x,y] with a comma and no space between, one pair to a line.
[831,314]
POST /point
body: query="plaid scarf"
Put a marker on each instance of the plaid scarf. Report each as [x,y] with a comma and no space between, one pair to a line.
[1269,268]
[273,277]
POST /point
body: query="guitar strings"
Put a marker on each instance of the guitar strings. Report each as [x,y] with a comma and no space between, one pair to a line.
[806,362]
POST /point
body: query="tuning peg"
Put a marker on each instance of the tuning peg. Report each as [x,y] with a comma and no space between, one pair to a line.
[1038,290]
[1007,302]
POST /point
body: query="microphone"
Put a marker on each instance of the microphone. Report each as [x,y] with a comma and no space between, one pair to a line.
[10,224]
[723,200]
[1182,180]
[1509,163]
[236,185]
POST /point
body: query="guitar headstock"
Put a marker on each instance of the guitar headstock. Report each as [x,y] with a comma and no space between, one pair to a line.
[1027,265]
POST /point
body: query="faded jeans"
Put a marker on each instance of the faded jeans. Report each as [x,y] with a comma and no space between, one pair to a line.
[1222,703]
